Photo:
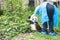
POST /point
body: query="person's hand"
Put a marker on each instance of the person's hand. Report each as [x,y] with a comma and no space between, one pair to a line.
[33,15]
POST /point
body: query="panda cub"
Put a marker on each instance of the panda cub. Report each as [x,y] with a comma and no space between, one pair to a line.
[34,24]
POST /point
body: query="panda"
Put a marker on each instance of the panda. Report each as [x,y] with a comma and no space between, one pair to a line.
[34,24]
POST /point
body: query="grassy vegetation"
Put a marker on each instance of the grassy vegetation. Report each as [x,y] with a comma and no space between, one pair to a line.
[10,26]
[14,19]
[39,36]
[13,22]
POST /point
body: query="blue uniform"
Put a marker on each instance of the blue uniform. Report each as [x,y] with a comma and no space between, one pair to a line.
[43,13]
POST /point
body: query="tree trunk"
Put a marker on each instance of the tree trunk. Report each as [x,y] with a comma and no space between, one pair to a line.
[31,2]
[1,4]
[37,2]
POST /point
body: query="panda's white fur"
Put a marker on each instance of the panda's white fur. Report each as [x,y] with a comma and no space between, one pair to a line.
[33,27]
[33,19]
[34,23]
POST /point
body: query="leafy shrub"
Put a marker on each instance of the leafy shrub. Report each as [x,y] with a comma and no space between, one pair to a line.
[11,26]
[14,19]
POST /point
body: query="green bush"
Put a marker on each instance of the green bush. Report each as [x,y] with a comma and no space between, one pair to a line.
[14,19]
[11,26]
[1,12]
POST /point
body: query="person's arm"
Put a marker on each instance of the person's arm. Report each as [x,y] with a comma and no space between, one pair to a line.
[56,14]
[36,11]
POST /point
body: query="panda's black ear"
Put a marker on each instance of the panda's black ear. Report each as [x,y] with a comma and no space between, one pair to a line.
[29,17]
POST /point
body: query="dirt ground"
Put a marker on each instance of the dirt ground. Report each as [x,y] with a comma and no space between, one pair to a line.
[22,36]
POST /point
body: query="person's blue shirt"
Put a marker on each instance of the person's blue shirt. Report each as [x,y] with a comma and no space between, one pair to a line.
[43,13]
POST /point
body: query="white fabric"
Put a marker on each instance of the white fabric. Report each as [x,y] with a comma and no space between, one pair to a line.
[54,0]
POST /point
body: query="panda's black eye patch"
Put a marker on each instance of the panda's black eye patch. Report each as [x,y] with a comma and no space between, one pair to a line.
[32,19]
[31,22]
[29,17]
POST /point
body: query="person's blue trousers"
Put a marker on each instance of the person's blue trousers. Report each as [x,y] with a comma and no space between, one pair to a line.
[50,13]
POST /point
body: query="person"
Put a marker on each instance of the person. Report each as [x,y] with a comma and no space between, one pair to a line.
[55,2]
[49,16]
